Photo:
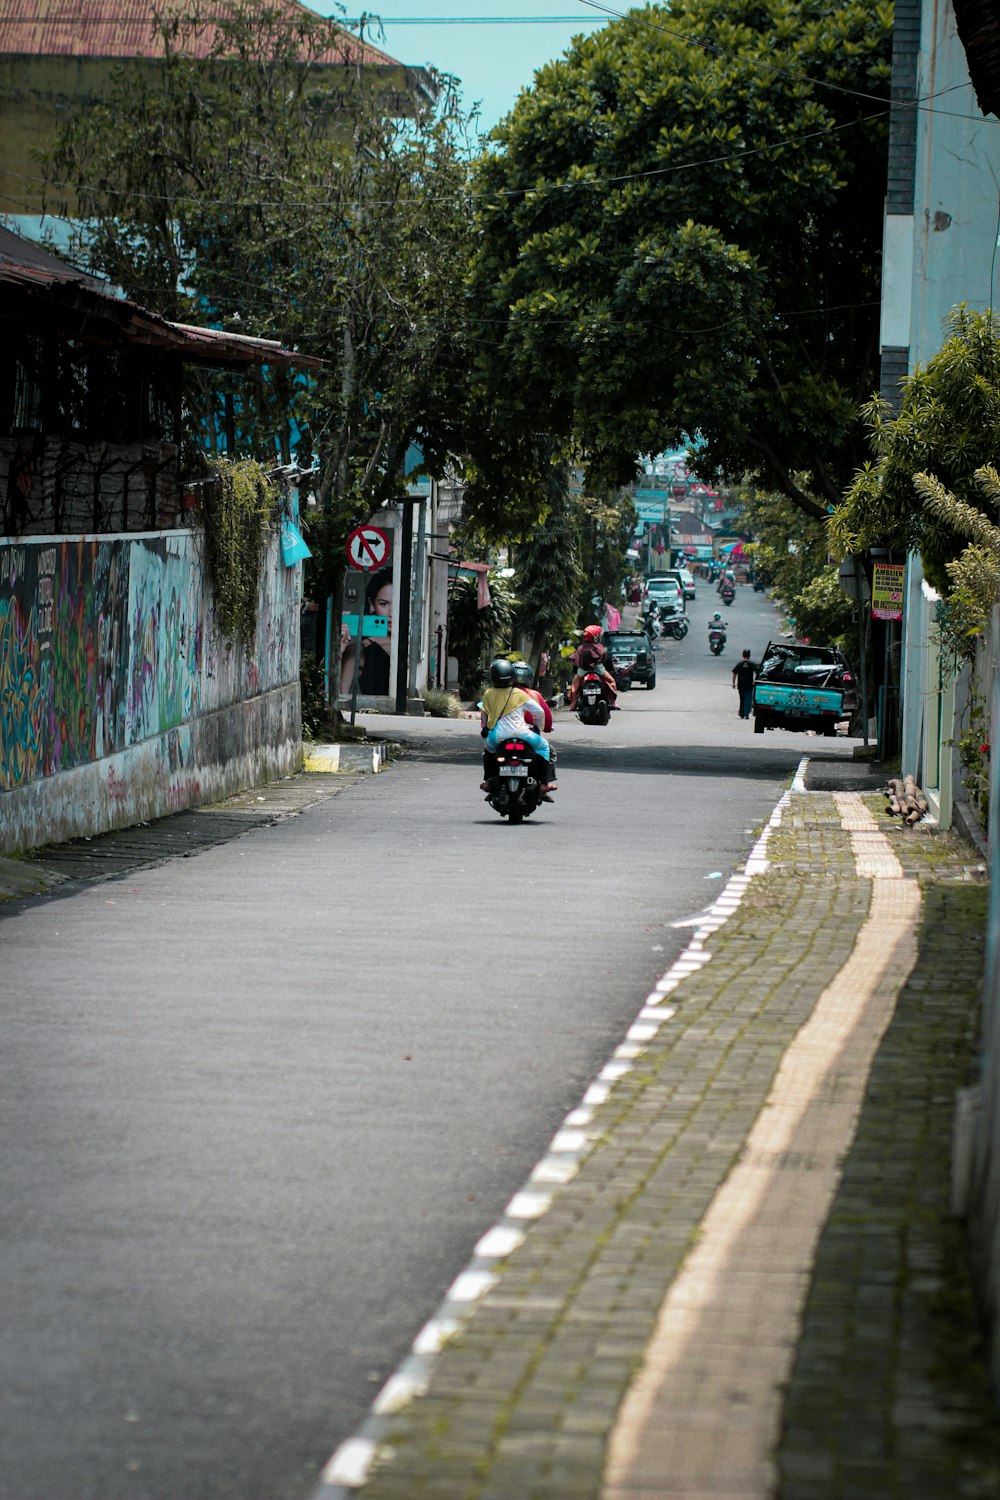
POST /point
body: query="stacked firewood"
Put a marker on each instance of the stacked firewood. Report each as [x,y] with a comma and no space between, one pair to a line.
[905,800]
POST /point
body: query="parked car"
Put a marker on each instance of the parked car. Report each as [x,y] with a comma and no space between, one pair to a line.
[683,578]
[632,658]
[665,590]
[803,687]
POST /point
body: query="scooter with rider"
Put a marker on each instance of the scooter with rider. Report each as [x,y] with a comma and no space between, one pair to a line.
[591,660]
[716,634]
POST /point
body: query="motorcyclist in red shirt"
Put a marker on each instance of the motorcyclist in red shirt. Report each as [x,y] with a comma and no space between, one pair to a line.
[592,656]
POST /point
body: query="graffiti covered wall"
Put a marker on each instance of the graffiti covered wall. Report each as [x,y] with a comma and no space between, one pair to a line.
[110,659]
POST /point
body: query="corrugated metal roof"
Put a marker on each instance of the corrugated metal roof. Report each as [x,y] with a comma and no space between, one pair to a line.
[46,282]
[25,253]
[125,28]
[979,29]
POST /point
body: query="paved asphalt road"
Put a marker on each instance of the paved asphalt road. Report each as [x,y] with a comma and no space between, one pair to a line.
[258,1105]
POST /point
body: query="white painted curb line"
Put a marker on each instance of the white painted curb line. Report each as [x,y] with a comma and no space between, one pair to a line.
[348,1468]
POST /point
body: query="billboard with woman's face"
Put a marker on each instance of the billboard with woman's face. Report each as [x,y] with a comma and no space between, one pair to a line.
[371,596]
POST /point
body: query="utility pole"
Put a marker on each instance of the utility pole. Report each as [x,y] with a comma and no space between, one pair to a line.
[405,503]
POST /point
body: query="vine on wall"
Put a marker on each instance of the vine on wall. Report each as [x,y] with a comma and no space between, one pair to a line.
[237,509]
[973,748]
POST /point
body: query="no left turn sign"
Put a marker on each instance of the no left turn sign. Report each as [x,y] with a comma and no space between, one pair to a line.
[367,548]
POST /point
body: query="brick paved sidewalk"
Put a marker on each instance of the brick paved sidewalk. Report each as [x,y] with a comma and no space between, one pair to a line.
[645,1261]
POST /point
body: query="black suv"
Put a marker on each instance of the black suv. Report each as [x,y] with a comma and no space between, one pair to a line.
[632,658]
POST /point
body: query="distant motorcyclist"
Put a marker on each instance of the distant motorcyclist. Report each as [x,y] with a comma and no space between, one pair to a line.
[716,623]
[592,656]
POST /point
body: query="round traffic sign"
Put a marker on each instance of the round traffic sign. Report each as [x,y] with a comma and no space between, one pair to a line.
[367,548]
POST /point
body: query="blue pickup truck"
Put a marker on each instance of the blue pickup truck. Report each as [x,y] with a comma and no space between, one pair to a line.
[802,687]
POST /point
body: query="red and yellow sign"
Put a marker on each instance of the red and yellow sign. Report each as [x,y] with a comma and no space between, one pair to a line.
[887,591]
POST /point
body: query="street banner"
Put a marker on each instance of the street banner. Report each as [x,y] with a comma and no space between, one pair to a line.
[887,591]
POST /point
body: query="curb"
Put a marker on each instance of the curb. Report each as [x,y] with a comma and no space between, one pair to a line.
[363,758]
[349,1468]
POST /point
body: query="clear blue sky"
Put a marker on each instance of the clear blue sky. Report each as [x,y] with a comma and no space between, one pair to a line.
[493,46]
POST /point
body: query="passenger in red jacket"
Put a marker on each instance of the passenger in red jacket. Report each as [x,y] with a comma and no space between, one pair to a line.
[592,656]
[525,678]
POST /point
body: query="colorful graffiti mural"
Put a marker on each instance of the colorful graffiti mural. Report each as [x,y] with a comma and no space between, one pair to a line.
[104,644]
[22,696]
[110,627]
[70,740]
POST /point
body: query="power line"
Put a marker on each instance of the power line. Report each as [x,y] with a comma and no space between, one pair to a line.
[380,20]
[369,23]
[783,143]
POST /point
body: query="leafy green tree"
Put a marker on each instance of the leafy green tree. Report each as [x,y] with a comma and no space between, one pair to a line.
[474,633]
[679,231]
[974,575]
[824,614]
[259,193]
[550,578]
[948,427]
[790,553]
[607,525]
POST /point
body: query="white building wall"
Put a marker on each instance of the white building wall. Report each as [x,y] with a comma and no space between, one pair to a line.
[957,187]
[956,222]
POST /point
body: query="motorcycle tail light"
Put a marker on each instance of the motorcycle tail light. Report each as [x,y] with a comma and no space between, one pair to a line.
[846,677]
[517,746]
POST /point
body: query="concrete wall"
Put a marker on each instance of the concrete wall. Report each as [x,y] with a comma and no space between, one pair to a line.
[951,260]
[118,699]
[940,249]
[985,1198]
[955,198]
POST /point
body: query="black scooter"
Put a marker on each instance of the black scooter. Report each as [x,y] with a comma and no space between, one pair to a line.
[592,706]
[649,624]
[515,791]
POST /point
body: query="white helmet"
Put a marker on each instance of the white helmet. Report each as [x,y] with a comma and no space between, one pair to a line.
[716,616]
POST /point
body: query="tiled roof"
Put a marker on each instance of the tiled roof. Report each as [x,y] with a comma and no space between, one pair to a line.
[124,28]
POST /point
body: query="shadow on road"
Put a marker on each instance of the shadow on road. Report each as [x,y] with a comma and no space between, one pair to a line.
[826,771]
